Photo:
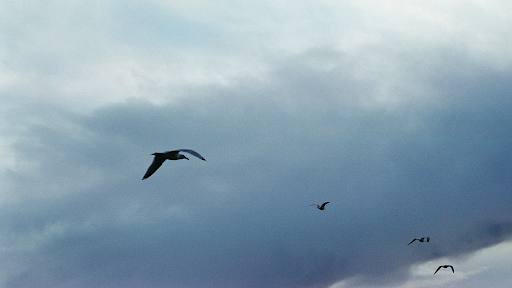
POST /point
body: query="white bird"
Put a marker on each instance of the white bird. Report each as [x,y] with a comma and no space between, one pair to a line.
[321,207]
[168,155]
[423,239]
[444,266]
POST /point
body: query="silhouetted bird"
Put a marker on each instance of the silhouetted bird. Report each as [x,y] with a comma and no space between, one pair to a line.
[423,239]
[444,266]
[321,207]
[169,155]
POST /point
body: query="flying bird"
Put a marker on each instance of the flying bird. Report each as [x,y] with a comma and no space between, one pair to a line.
[422,239]
[168,155]
[321,207]
[444,266]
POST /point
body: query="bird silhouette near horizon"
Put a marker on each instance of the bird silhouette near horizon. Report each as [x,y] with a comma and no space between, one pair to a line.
[168,155]
[422,239]
[444,266]
[321,207]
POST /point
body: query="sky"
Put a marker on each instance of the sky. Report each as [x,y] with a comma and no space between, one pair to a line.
[399,113]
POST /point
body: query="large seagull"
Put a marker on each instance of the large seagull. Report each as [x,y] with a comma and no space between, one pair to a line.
[169,155]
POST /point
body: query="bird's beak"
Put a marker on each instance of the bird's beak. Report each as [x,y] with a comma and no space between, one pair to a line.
[185,157]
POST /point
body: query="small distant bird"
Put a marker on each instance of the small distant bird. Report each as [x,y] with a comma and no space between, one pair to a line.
[444,266]
[168,155]
[423,239]
[321,207]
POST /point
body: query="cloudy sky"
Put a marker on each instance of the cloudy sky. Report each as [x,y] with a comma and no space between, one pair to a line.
[397,112]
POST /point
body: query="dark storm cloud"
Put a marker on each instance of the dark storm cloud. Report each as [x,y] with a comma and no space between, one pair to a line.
[462,81]
[240,219]
[483,235]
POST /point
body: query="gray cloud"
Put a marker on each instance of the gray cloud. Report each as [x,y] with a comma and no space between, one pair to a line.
[240,219]
[404,141]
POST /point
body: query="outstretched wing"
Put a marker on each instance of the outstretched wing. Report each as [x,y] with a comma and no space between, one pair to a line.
[157,162]
[438,269]
[193,153]
[323,205]
[428,239]
[453,270]
[412,241]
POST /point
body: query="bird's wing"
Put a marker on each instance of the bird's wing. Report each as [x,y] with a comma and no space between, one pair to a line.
[412,241]
[428,239]
[323,205]
[172,154]
[157,162]
[453,270]
[438,269]
[193,153]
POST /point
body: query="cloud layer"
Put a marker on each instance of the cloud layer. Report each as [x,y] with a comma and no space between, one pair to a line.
[402,127]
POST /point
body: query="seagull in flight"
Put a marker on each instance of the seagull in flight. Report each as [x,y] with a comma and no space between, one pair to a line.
[444,266]
[321,207]
[168,155]
[422,239]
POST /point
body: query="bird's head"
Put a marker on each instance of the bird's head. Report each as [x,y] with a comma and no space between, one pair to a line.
[181,156]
